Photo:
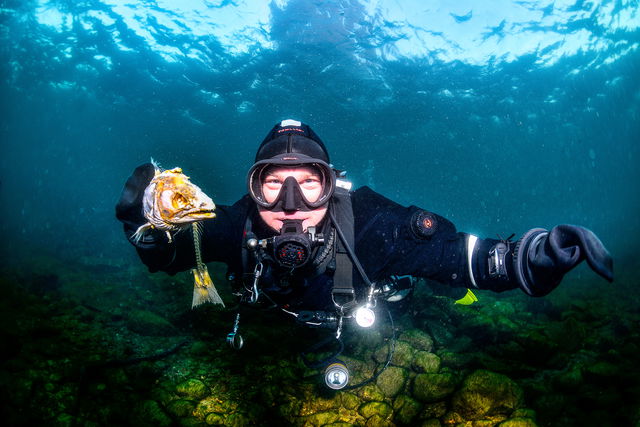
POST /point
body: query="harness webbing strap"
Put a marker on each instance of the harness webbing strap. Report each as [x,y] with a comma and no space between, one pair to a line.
[343,276]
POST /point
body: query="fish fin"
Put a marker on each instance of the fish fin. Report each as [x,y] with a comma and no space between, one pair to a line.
[203,288]
[156,165]
[468,299]
[137,236]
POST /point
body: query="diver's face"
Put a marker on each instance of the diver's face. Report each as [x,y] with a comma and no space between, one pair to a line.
[310,183]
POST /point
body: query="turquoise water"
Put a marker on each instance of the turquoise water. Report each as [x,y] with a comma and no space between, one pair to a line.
[501,116]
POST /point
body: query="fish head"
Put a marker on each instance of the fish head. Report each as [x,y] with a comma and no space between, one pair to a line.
[179,201]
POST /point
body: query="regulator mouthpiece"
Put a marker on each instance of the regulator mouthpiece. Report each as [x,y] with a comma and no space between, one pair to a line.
[292,248]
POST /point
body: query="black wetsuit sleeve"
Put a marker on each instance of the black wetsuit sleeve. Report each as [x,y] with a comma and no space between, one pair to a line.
[387,244]
[220,241]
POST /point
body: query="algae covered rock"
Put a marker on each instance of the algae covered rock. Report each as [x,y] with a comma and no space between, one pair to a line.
[417,339]
[426,362]
[406,409]
[485,393]
[518,422]
[402,355]
[391,380]
[369,409]
[147,323]
[181,408]
[193,388]
[322,418]
[150,413]
[431,387]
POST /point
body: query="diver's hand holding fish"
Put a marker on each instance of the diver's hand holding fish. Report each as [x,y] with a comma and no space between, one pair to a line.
[171,203]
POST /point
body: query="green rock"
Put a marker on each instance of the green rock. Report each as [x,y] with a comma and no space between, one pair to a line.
[149,324]
[150,413]
[236,420]
[433,387]
[391,380]
[370,392]
[322,418]
[602,372]
[524,413]
[349,400]
[403,354]
[192,388]
[426,362]
[485,393]
[451,418]
[432,422]
[319,404]
[181,408]
[378,421]
[214,419]
[518,422]
[369,409]
[433,410]
[417,339]
[569,379]
[405,409]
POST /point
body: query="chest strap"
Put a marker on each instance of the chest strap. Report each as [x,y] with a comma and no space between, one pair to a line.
[342,217]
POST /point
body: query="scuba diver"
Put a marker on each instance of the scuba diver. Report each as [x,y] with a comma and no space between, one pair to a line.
[302,241]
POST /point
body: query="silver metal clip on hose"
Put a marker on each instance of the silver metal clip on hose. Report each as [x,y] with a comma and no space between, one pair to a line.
[255,293]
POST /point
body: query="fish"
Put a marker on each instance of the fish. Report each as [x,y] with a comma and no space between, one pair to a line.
[172,203]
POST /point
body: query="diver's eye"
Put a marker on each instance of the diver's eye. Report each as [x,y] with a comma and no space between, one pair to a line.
[179,201]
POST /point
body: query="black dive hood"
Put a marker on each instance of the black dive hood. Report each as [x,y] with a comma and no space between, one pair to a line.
[291,143]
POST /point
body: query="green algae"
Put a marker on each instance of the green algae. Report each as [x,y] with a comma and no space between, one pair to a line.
[54,341]
[432,387]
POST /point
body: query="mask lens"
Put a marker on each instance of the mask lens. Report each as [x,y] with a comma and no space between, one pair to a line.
[260,173]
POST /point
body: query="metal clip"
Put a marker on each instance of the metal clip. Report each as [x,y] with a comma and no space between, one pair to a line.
[257,272]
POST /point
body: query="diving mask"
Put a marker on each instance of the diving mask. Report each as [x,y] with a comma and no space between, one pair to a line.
[291,197]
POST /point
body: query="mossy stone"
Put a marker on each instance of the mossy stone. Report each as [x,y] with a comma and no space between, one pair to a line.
[322,418]
[485,393]
[432,422]
[236,420]
[349,400]
[378,421]
[569,379]
[147,323]
[433,387]
[369,409]
[433,410]
[424,361]
[405,409]
[391,380]
[403,354]
[601,372]
[181,408]
[370,392]
[524,413]
[319,404]
[518,422]
[417,339]
[192,388]
[152,414]
[214,419]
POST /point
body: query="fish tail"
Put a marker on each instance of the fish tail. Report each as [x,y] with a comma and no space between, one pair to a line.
[203,288]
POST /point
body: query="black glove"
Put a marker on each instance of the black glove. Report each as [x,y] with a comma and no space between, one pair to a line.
[542,258]
[129,207]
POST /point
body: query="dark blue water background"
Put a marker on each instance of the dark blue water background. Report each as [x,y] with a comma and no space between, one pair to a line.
[501,116]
